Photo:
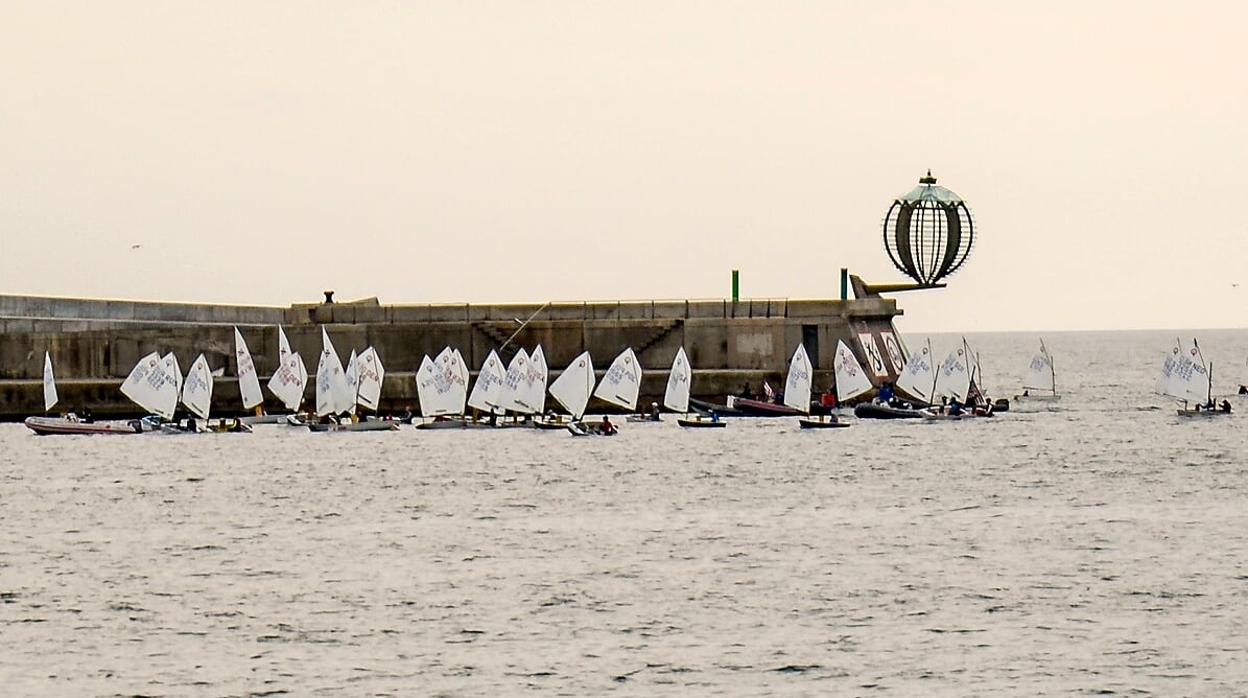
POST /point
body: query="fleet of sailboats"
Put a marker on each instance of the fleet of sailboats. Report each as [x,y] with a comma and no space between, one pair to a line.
[513,393]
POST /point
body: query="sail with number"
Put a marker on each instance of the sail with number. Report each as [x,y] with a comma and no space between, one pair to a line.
[283,345]
[173,369]
[676,397]
[333,396]
[851,379]
[1189,378]
[1168,365]
[352,374]
[151,386]
[370,375]
[622,382]
[440,385]
[248,381]
[917,377]
[487,392]
[49,384]
[197,389]
[288,381]
[1040,373]
[954,378]
[535,398]
[798,383]
[573,387]
[516,384]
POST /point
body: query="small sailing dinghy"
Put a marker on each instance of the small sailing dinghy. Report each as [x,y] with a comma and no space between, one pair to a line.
[335,396]
[487,392]
[916,381]
[249,384]
[70,424]
[676,396]
[798,384]
[1190,380]
[442,387]
[572,390]
[952,381]
[1040,381]
[517,391]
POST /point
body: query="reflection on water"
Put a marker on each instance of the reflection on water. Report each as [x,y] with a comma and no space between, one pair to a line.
[1088,550]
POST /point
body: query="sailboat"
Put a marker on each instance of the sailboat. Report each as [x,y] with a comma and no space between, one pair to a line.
[487,392]
[1041,377]
[676,396]
[798,383]
[952,380]
[152,386]
[1190,380]
[335,395]
[517,390]
[572,390]
[442,387]
[71,424]
[249,384]
[621,384]
[915,382]
[197,392]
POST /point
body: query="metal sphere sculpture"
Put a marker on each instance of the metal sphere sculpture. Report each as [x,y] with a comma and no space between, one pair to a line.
[928,232]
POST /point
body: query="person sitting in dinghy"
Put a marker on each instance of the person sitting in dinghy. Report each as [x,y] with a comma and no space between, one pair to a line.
[886,395]
[1225,406]
[955,407]
[606,428]
[1243,390]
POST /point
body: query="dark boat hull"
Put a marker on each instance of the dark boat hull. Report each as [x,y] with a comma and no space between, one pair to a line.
[869,410]
[816,424]
[701,423]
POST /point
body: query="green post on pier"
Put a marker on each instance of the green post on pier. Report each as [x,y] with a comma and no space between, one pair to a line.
[844,284]
[736,285]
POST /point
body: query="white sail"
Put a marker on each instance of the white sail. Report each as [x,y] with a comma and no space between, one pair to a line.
[288,381]
[439,385]
[332,394]
[151,386]
[351,373]
[851,380]
[248,381]
[797,383]
[173,369]
[1168,366]
[917,377]
[1040,374]
[49,383]
[487,392]
[197,390]
[516,384]
[535,399]
[283,346]
[370,375]
[622,382]
[572,388]
[1190,379]
[954,379]
[676,397]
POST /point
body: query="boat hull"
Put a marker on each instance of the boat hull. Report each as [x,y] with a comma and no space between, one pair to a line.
[816,424]
[1202,413]
[637,419]
[869,410]
[59,426]
[266,419]
[455,423]
[758,408]
[372,425]
[701,423]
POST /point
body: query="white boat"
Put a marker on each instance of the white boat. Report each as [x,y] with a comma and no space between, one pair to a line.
[800,380]
[73,426]
[151,386]
[621,384]
[918,376]
[572,390]
[1040,379]
[953,380]
[333,396]
[351,373]
[487,392]
[248,381]
[1187,378]
[851,379]
[370,375]
[676,395]
[535,398]
[442,388]
[197,388]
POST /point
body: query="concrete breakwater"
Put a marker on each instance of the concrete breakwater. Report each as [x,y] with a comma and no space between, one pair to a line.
[95,343]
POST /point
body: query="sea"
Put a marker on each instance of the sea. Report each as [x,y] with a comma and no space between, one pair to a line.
[1096,548]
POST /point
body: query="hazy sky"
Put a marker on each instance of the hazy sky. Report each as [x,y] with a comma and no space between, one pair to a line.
[440,152]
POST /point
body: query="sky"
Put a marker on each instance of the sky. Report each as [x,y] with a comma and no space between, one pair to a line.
[260,152]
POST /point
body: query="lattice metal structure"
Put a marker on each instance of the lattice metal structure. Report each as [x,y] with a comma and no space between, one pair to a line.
[929,232]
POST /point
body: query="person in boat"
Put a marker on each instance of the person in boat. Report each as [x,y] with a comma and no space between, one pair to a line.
[1026,392]
[886,394]
[828,399]
[606,428]
[190,424]
[654,412]
[746,393]
[955,407]
[1243,390]
[714,415]
[1225,406]
[85,415]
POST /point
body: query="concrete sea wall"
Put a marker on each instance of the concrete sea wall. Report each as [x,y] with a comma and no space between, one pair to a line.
[95,343]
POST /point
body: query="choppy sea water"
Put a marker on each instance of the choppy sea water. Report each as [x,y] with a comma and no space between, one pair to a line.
[1101,549]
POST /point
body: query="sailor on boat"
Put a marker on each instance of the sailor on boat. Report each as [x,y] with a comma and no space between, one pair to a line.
[606,428]
[1243,390]
[1225,406]
[828,399]
[886,395]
